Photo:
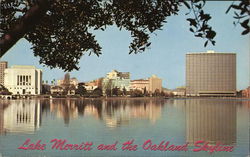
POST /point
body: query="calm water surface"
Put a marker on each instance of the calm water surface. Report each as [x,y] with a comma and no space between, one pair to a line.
[107,121]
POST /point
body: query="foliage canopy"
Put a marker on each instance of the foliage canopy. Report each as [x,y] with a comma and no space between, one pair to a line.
[61,31]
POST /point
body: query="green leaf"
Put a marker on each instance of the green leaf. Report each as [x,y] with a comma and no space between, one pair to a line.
[236,7]
[228,9]
[244,24]
[213,42]
[205,45]
[186,4]
[211,34]
[192,22]
[245,32]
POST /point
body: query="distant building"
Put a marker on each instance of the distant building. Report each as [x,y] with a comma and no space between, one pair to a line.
[59,82]
[94,84]
[3,66]
[167,91]
[115,79]
[72,81]
[246,92]
[211,74]
[179,91]
[151,84]
[140,84]
[56,90]
[90,87]
[20,79]
[155,83]
[67,86]
[71,90]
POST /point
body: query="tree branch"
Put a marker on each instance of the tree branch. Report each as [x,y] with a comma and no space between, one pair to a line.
[31,18]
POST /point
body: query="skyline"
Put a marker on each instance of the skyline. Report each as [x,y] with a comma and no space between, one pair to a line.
[166,58]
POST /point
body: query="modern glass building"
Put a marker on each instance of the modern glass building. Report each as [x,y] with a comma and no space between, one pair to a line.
[116,79]
[211,74]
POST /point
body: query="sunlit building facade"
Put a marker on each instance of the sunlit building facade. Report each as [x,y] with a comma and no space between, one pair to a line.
[151,84]
[72,81]
[115,79]
[139,84]
[211,74]
[155,83]
[23,80]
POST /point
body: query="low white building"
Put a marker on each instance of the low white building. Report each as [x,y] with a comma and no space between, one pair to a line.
[23,80]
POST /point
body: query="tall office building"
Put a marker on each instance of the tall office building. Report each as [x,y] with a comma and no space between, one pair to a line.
[3,66]
[23,80]
[211,74]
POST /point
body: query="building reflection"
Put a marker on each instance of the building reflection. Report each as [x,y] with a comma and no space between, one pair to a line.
[113,113]
[3,105]
[65,109]
[122,112]
[72,108]
[211,120]
[21,116]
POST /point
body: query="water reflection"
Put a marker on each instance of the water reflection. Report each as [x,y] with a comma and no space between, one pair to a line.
[20,116]
[2,130]
[121,112]
[26,115]
[113,113]
[206,119]
[103,121]
[211,120]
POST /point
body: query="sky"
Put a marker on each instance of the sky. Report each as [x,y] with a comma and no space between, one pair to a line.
[165,58]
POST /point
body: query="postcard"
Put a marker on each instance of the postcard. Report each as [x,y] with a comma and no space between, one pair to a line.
[135,78]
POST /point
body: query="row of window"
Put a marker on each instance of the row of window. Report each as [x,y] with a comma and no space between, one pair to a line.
[23,80]
[23,88]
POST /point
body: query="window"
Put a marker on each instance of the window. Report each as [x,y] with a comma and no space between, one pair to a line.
[29,79]
[18,80]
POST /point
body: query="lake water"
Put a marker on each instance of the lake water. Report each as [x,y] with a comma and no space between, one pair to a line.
[179,121]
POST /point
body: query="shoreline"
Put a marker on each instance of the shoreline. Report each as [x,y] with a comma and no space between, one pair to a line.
[124,98]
